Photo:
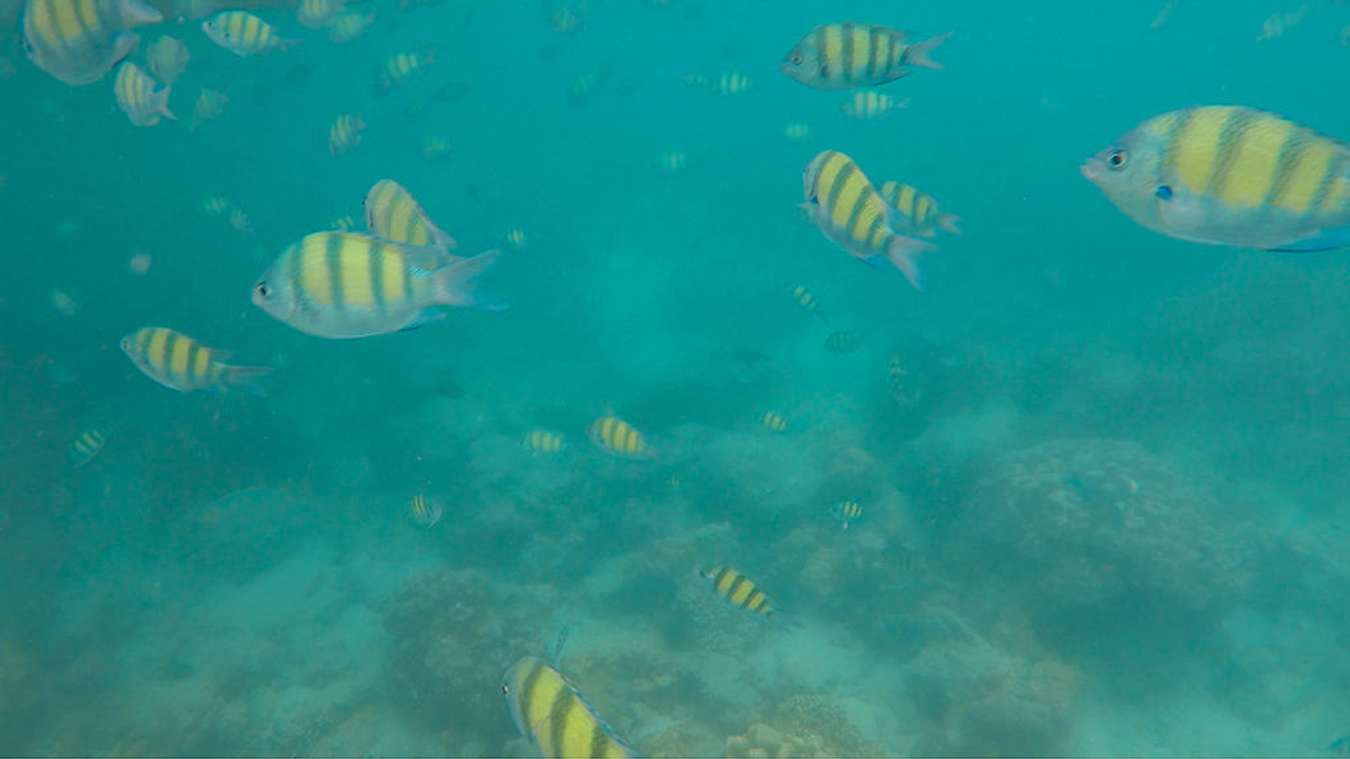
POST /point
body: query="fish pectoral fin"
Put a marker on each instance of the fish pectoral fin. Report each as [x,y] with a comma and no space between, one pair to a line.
[1326,239]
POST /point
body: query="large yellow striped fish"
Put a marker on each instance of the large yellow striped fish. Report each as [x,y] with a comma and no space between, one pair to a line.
[178,362]
[738,590]
[919,209]
[553,715]
[244,34]
[393,213]
[851,214]
[613,435]
[1230,175]
[346,285]
[78,41]
[846,55]
[137,96]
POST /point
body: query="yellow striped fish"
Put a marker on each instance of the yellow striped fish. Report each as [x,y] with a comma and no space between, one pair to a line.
[85,448]
[78,41]
[553,715]
[425,512]
[137,96]
[345,134]
[805,299]
[613,435]
[400,67]
[847,512]
[180,363]
[349,25]
[851,214]
[843,56]
[774,421]
[920,210]
[543,441]
[738,590]
[317,14]
[1229,175]
[168,58]
[870,104]
[515,237]
[393,213]
[797,131]
[347,285]
[244,34]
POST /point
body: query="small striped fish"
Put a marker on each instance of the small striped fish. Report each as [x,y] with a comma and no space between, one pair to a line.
[797,131]
[553,715]
[613,435]
[347,285]
[847,512]
[349,25]
[85,447]
[180,363]
[920,210]
[851,214]
[543,441]
[870,104]
[805,299]
[78,41]
[425,512]
[400,67]
[244,34]
[317,14]
[345,134]
[168,58]
[137,96]
[843,56]
[774,421]
[393,213]
[738,590]
[1229,175]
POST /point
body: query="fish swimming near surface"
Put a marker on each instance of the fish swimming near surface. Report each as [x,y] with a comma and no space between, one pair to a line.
[393,213]
[738,590]
[545,442]
[78,41]
[615,436]
[85,447]
[1229,175]
[180,363]
[244,34]
[852,214]
[140,97]
[846,55]
[342,285]
[918,210]
[549,711]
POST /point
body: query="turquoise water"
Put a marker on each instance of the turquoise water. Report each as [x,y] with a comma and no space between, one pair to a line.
[1103,493]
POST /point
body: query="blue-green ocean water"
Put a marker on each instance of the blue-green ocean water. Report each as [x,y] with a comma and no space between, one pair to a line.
[1104,494]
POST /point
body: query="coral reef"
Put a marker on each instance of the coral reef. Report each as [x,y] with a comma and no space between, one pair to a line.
[800,725]
[1091,522]
[453,634]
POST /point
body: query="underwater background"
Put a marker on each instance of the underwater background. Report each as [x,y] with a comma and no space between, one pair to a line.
[1102,472]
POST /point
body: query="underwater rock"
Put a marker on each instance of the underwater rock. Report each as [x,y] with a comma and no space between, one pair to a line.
[760,740]
[801,725]
[1076,526]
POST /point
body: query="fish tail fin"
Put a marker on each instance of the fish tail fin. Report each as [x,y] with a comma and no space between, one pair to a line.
[456,283]
[949,223]
[139,13]
[247,378]
[162,103]
[920,53]
[903,253]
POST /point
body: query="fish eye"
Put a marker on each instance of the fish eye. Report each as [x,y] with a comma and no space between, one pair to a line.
[506,689]
[262,290]
[1117,159]
[796,59]
[126,343]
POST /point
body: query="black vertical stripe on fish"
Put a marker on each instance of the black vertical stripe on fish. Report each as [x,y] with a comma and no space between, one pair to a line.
[599,739]
[1182,122]
[563,704]
[820,46]
[874,36]
[846,50]
[1291,152]
[406,267]
[856,212]
[192,377]
[1232,135]
[717,578]
[1337,167]
[877,222]
[333,260]
[736,586]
